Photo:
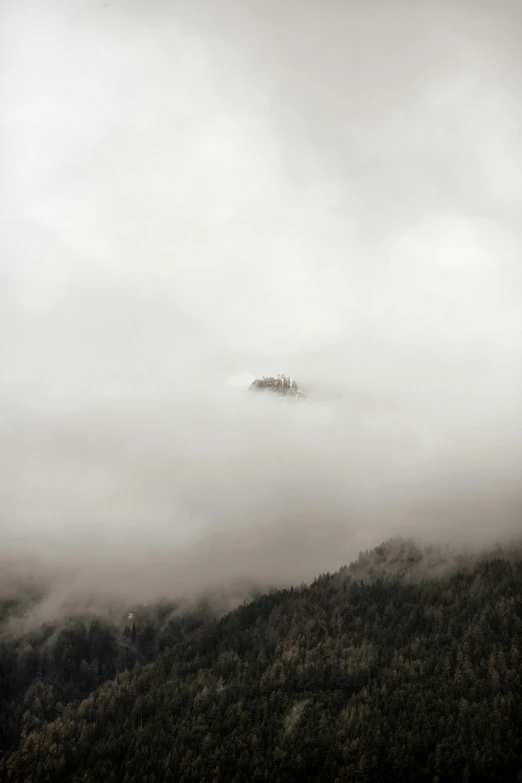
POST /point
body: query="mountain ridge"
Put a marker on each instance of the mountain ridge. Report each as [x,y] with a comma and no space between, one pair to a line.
[360,676]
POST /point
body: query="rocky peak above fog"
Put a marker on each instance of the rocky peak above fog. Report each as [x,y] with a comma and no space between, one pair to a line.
[283,385]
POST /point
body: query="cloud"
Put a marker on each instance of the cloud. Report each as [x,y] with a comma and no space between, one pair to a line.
[192,195]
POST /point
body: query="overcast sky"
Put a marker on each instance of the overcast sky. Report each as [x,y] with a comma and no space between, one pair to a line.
[193,194]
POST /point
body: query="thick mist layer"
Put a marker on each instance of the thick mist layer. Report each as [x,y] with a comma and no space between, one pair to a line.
[231,488]
[195,195]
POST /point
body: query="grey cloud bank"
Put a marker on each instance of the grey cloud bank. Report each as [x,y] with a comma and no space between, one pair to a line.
[196,193]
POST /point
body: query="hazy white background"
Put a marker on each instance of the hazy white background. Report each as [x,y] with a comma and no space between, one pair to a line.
[193,194]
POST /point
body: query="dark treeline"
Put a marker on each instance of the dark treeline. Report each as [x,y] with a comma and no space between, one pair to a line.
[55,664]
[376,673]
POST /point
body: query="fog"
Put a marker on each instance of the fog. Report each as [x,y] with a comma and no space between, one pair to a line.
[193,195]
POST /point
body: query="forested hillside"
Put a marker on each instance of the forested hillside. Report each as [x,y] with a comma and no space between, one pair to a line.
[380,672]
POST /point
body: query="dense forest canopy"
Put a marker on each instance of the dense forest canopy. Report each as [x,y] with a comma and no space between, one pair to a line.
[405,665]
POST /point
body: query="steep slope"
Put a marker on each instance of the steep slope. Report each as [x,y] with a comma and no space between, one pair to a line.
[355,678]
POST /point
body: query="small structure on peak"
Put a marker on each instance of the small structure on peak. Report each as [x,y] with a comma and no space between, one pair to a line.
[282,385]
